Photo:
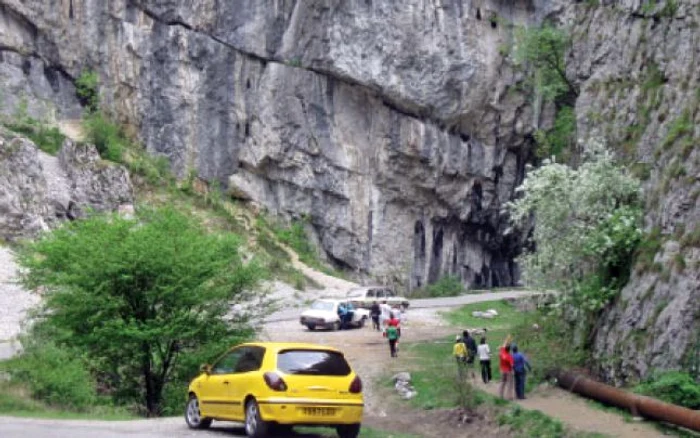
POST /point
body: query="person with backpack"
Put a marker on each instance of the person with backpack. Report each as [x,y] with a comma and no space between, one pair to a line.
[520,368]
[391,333]
[470,343]
[374,313]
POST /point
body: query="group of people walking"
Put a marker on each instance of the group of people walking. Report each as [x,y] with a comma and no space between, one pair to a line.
[512,363]
[388,321]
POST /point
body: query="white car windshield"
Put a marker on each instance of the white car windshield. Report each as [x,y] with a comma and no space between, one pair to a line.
[323,305]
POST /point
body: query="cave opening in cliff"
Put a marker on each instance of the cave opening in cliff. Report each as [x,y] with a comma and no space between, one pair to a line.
[418,254]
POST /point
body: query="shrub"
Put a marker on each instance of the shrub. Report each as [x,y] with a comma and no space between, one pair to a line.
[54,375]
[588,224]
[47,138]
[674,387]
[107,136]
[447,286]
[559,139]
[86,88]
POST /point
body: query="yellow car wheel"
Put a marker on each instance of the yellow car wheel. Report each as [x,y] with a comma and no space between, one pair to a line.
[255,426]
[193,417]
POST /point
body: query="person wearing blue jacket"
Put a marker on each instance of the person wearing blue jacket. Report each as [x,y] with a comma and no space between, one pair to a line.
[520,367]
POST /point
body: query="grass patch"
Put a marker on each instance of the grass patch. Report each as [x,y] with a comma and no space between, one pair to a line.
[674,387]
[47,138]
[508,316]
[15,401]
[531,424]
[447,286]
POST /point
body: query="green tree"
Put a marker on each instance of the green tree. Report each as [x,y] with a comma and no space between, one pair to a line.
[543,52]
[86,87]
[587,226]
[135,295]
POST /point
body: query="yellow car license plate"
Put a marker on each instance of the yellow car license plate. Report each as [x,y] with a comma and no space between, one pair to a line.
[318,412]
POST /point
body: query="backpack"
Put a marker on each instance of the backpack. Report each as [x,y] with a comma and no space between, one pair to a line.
[392,333]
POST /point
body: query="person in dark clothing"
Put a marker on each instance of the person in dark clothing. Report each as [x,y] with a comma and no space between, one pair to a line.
[470,343]
[374,312]
[520,367]
[392,334]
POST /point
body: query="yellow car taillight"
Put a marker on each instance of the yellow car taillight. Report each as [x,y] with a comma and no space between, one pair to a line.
[356,385]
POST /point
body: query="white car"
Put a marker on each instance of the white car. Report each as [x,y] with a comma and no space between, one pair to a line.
[323,313]
[365,296]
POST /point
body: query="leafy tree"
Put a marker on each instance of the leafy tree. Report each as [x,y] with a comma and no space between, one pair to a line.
[135,295]
[543,51]
[587,226]
[86,88]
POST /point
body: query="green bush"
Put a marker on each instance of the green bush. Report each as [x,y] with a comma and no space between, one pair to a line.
[447,286]
[108,137]
[86,88]
[561,138]
[54,375]
[47,138]
[674,387]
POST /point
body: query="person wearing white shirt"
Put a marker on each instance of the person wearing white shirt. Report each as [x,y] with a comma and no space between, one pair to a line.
[484,353]
[385,315]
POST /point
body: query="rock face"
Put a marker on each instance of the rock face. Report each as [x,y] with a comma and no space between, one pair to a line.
[37,190]
[638,67]
[23,193]
[396,128]
[400,146]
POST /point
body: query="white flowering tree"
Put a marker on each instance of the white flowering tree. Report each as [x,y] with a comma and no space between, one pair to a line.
[587,226]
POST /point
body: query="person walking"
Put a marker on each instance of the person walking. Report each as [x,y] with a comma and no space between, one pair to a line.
[392,334]
[470,343]
[374,312]
[506,367]
[395,322]
[459,351]
[521,366]
[385,314]
[484,353]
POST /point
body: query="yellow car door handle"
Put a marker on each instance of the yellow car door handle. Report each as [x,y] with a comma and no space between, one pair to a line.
[225,382]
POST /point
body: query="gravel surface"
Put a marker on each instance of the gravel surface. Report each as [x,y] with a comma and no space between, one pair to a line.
[14,301]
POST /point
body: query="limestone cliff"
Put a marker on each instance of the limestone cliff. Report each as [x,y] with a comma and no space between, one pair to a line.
[396,127]
[38,190]
[390,127]
[638,65]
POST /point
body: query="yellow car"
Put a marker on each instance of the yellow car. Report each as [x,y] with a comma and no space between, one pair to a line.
[271,385]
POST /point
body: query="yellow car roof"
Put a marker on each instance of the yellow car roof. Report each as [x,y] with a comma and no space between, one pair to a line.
[277,346]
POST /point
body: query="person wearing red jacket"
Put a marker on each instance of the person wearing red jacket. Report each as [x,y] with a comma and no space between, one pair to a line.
[506,365]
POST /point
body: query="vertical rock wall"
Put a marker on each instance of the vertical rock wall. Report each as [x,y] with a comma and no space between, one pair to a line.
[385,124]
[639,69]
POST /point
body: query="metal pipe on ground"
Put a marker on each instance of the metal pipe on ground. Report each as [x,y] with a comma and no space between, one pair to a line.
[637,404]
